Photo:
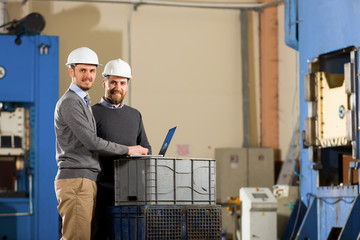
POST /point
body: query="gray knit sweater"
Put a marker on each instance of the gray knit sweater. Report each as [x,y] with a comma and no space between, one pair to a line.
[77,145]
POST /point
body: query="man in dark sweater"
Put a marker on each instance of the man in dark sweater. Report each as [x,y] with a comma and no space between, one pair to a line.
[115,122]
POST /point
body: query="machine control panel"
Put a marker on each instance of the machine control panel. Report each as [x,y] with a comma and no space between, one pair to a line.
[259,220]
[258,198]
[260,195]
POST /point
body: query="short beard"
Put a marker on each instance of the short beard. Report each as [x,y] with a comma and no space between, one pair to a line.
[114,101]
[84,88]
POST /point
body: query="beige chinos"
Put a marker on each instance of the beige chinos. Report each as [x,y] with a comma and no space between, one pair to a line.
[76,197]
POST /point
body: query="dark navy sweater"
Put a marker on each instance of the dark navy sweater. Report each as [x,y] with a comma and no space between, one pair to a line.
[121,125]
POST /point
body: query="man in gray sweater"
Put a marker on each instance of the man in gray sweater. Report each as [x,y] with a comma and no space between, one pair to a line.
[77,148]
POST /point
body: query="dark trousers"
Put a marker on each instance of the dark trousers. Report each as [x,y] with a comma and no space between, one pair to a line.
[101,223]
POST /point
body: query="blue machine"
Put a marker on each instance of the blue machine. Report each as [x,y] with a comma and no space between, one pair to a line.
[326,35]
[29,83]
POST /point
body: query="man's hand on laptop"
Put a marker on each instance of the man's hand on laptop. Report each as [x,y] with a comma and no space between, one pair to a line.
[138,150]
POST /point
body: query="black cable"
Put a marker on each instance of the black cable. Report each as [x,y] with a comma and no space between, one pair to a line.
[12,22]
[328,202]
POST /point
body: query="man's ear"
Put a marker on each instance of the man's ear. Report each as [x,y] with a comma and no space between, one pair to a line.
[71,72]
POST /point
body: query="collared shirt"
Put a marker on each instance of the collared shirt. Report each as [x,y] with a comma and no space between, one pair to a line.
[109,105]
[79,92]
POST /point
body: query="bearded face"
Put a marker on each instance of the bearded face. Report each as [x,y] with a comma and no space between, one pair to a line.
[115,97]
[115,89]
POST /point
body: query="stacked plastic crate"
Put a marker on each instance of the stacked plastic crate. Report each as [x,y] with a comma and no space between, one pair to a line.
[165,198]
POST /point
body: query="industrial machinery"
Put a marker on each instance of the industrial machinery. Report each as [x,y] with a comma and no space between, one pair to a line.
[28,94]
[327,37]
[258,219]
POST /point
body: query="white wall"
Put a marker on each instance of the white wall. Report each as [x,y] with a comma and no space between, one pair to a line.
[188,73]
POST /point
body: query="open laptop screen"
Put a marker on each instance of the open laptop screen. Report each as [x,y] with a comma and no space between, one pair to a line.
[167,141]
[164,146]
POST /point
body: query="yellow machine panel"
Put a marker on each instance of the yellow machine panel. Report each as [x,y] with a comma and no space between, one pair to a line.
[332,103]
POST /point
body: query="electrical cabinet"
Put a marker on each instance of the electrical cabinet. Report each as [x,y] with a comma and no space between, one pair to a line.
[243,167]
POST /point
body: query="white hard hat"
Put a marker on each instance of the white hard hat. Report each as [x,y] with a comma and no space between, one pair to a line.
[83,55]
[117,67]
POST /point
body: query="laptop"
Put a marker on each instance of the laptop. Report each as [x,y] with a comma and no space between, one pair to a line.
[164,146]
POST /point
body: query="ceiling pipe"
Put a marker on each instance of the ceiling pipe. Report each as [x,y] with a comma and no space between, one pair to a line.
[236,6]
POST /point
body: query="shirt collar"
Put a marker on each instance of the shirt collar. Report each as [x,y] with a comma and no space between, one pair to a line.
[109,105]
[78,91]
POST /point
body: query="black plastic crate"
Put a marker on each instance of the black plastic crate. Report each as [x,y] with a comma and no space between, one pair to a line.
[203,222]
[171,222]
[164,222]
[127,223]
[183,222]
